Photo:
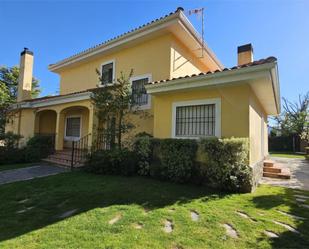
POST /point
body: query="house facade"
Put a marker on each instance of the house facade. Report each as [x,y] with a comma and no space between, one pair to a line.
[179,80]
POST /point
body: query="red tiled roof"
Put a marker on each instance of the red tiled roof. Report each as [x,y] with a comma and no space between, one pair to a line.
[254,63]
[119,36]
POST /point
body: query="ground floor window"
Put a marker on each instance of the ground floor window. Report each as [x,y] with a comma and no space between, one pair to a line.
[196,118]
[73,125]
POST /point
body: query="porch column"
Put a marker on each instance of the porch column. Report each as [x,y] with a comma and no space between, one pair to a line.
[90,126]
[59,131]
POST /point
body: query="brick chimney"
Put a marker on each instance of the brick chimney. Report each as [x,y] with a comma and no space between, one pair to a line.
[25,75]
[245,54]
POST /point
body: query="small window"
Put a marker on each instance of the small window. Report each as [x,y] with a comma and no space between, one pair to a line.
[73,127]
[107,73]
[139,93]
[195,120]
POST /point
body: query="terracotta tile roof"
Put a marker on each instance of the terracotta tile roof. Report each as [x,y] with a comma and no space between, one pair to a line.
[57,96]
[254,63]
[119,36]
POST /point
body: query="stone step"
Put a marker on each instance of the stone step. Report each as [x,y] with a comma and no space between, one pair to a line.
[268,163]
[285,174]
[58,162]
[274,169]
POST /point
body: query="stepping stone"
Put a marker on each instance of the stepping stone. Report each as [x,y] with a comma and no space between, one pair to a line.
[291,215]
[302,196]
[195,216]
[172,210]
[300,200]
[115,219]
[68,213]
[244,215]
[23,201]
[271,234]
[230,231]
[304,205]
[138,225]
[24,210]
[288,227]
[168,226]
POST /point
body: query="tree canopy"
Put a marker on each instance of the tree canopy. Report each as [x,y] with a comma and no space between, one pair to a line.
[8,91]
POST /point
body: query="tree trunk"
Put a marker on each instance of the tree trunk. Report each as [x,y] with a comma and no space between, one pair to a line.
[119,128]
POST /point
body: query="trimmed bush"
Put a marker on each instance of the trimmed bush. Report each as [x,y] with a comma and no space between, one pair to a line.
[143,147]
[9,152]
[38,147]
[177,158]
[113,162]
[224,163]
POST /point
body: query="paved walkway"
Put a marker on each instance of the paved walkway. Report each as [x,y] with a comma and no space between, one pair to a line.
[299,174]
[28,173]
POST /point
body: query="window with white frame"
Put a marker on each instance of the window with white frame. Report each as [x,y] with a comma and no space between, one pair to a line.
[107,73]
[73,125]
[196,119]
[139,93]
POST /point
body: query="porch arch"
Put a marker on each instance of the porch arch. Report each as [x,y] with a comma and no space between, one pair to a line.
[83,113]
[45,122]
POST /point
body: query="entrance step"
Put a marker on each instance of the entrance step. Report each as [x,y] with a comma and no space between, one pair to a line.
[63,158]
[268,163]
[284,174]
[275,169]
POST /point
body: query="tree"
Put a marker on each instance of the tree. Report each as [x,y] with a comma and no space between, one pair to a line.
[294,119]
[113,103]
[8,91]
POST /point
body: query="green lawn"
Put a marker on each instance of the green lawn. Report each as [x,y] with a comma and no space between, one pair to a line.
[30,215]
[15,166]
[286,155]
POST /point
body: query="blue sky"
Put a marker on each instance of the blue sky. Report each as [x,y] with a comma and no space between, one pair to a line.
[57,29]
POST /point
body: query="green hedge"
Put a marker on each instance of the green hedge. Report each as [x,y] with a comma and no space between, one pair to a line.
[37,147]
[113,162]
[220,163]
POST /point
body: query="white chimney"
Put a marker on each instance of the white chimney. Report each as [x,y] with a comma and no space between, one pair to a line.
[25,75]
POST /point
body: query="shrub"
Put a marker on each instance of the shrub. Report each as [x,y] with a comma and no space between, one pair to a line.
[9,152]
[177,159]
[113,162]
[224,163]
[10,140]
[143,148]
[38,147]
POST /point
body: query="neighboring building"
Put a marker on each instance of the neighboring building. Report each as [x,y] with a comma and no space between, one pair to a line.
[188,95]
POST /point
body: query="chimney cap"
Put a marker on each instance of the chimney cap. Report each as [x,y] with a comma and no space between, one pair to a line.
[26,51]
[245,48]
[179,9]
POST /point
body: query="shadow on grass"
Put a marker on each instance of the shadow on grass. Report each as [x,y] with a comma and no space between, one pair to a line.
[31,205]
[287,239]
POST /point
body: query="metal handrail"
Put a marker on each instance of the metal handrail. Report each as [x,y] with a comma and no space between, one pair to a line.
[80,150]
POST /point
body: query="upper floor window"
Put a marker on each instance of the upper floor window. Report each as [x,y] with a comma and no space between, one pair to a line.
[108,72]
[139,93]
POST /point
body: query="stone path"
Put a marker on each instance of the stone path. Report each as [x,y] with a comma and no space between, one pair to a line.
[299,174]
[115,219]
[168,226]
[29,173]
[230,231]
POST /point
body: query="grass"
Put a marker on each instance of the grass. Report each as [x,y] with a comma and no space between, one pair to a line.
[286,154]
[15,166]
[98,199]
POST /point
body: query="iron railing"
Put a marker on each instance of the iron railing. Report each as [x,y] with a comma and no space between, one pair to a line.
[80,150]
[105,140]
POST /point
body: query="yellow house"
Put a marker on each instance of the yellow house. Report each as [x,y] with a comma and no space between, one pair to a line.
[185,88]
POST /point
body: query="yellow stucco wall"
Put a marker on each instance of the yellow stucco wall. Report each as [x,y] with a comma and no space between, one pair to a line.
[234,109]
[151,57]
[45,122]
[183,62]
[27,121]
[258,130]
